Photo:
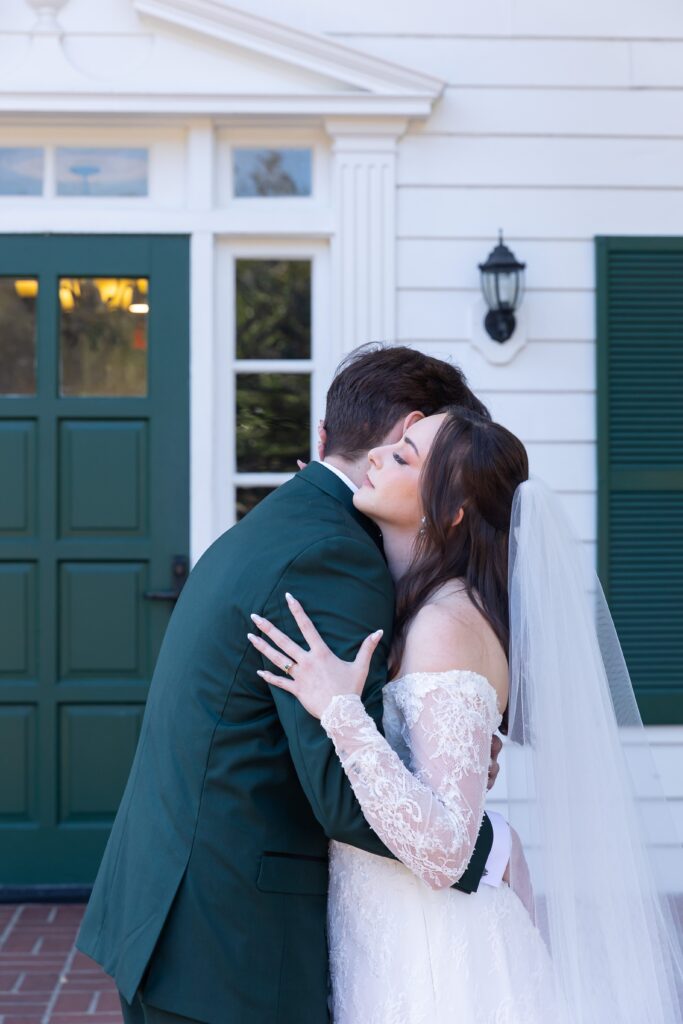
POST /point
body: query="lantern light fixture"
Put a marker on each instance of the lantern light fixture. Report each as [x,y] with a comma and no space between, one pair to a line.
[502,283]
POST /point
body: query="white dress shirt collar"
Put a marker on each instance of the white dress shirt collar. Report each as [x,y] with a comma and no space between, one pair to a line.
[342,476]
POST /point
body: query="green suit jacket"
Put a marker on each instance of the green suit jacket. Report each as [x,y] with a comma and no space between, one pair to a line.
[211,895]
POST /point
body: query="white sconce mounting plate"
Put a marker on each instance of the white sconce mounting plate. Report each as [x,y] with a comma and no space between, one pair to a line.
[496,352]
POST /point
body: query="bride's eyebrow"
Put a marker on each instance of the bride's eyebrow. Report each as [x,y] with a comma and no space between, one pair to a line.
[411,443]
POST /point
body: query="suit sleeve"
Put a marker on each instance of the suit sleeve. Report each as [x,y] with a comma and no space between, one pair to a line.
[345,588]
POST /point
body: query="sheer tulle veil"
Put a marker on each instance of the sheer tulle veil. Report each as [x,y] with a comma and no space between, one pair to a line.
[583,792]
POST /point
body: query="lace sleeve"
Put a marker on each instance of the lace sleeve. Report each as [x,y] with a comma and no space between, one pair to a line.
[429,817]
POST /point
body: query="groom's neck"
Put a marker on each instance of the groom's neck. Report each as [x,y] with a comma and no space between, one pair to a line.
[354,469]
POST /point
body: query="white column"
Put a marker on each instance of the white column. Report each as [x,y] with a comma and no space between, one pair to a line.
[364,241]
[200,187]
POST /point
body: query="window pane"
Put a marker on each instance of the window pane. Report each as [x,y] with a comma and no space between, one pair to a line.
[273,309]
[102,172]
[103,336]
[247,498]
[273,421]
[21,171]
[272,172]
[18,335]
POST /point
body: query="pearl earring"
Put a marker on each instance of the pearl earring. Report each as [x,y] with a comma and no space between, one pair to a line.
[423,525]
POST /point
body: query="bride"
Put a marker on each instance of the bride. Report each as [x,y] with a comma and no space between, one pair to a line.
[493,629]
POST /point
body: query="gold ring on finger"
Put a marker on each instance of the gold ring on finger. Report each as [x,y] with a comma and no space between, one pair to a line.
[288,668]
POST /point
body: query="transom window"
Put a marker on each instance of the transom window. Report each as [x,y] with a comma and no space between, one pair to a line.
[21,171]
[271,172]
[74,171]
[101,171]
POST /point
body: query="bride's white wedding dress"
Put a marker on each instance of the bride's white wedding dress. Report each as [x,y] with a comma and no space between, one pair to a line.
[404,947]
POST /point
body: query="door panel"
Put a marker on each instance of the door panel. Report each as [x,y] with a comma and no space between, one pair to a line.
[18,461]
[18,621]
[103,477]
[93,511]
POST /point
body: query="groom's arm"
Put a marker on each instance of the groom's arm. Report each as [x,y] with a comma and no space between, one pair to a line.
[346,590]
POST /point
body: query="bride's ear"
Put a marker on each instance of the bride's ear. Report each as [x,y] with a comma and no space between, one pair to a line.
[459,517]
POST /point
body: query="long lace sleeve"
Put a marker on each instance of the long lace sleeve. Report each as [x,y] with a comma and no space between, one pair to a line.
[428,816]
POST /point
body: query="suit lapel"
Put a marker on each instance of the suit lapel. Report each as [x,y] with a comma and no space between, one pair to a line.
[317,475]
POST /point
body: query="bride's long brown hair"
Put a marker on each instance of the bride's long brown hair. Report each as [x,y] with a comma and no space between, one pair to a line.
[475,464]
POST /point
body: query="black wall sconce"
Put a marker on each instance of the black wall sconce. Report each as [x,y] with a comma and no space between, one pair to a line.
[502,282]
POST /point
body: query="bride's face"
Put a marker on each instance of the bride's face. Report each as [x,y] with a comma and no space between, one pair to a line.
[390,492]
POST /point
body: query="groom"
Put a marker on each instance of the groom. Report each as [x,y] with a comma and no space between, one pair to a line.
[210,902]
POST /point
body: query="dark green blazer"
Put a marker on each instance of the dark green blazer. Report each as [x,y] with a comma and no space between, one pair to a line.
[215,874]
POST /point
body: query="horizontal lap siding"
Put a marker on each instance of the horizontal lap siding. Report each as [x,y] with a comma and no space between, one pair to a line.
[556,140]
[558,123]
[609,18]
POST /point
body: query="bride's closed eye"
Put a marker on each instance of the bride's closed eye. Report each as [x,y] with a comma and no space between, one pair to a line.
[401,462]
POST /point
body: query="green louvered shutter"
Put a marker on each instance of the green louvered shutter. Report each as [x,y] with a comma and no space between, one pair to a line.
[640,461]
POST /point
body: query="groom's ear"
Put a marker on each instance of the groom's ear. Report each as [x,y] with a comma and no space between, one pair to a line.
[412,418]
[400,426]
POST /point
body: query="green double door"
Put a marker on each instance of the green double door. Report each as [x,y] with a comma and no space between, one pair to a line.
[94,497]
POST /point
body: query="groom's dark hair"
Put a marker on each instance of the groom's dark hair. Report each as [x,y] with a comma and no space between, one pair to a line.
[377,384]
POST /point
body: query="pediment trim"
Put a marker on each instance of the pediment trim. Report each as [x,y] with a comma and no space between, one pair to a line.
[304,50]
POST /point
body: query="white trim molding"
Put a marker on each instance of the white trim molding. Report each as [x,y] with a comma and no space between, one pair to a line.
[47,11]
[280,42]
[364,241]
[55,72]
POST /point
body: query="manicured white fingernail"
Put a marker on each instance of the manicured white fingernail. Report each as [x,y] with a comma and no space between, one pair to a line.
[289,596]
[259,672]
[377,635]
[251,637]
[255,618]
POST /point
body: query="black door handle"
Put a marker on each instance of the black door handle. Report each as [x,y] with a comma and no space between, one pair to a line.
[180,570]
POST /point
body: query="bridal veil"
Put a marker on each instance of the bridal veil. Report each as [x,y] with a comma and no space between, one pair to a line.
[583,791]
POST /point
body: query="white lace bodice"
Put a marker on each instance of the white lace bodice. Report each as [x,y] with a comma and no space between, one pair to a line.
[422,788]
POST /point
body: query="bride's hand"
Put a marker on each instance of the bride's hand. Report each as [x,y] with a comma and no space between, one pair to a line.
[317,675]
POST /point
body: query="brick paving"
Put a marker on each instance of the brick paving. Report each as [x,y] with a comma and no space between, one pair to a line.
[43,977]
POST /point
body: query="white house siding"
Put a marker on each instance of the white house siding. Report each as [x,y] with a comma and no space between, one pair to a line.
[558,123]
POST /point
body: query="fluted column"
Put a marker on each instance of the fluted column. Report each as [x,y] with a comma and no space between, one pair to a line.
[364,241]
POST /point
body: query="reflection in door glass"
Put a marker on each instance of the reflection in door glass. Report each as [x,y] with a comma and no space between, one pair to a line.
[18,335]
[272,421]
[247,498]
[273,304]
[103,336]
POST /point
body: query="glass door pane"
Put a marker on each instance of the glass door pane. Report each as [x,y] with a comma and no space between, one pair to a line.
[18,298]
[103,336]
[273,367]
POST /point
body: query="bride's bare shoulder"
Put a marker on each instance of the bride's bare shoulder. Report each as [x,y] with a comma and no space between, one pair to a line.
[450,632]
